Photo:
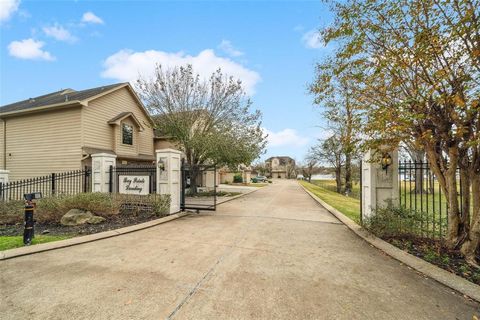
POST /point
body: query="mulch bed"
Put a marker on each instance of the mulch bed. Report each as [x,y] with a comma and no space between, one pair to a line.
[435,252]
[113,222]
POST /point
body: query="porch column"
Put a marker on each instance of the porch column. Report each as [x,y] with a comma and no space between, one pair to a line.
[168,176]
[101,163]
[4,176]
[379,184]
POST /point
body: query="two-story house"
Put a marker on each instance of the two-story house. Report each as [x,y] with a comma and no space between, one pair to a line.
[280,167]
[60,131]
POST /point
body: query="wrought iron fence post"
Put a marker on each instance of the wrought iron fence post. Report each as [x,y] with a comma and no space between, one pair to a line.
[53,184]
[2,196]
[110,179]
[85,179]
[182,185]
[215,188]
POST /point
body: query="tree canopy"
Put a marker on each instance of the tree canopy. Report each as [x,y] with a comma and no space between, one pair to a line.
[417,78]
[210,120]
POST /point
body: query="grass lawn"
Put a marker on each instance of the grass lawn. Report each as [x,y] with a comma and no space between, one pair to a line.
[346,205]
[10,242]
[332,186]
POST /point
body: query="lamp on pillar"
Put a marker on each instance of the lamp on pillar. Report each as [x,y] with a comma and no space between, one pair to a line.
[161,165]
[386,161]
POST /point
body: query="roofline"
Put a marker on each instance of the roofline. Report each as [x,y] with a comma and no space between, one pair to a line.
[85,103]
[42,108]
[120,86]
[127,115]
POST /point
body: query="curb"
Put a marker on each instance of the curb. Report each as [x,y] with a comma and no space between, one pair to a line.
[23,251]
[239,196]
[442,276]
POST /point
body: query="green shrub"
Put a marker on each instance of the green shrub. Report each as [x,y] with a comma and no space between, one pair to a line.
[11,212]
[134,204]
[237,178]
[393,222]
[51,209]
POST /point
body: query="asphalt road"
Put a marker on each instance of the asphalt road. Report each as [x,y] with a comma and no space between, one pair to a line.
[273,254]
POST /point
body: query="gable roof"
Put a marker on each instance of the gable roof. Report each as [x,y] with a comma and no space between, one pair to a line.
[61,97]
[282,160]
[123,115]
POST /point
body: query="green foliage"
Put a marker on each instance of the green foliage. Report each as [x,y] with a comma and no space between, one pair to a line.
[11,212]
[391,221]
[237,178]
[51,209]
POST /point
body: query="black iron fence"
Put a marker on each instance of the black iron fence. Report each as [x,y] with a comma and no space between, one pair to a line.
[64,183]
[423,203]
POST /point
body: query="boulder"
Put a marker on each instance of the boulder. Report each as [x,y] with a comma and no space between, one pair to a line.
[75,217]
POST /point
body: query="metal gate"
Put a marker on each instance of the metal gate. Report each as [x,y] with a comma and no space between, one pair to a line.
[199,187]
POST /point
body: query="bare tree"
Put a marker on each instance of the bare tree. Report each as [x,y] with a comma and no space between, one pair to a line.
[331,152]
[210,120]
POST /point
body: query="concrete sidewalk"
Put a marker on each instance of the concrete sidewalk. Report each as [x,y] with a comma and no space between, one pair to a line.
[273,254]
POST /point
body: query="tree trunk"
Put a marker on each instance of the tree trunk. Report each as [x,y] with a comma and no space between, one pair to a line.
[338,179]
[418,157]
[348,174]
[465,182]
[194,170]
[472,243]
[453,210]
[447,180]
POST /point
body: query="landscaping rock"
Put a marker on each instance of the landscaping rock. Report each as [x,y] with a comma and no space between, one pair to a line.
[76,217]
[96,220]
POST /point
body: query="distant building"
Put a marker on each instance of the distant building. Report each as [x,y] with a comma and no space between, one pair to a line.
[281,167]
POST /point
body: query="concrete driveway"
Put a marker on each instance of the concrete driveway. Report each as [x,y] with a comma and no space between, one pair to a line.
[273,254]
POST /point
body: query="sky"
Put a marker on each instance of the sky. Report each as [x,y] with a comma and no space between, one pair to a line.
[271,46]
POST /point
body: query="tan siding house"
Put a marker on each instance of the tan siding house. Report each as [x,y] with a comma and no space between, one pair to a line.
[60,131]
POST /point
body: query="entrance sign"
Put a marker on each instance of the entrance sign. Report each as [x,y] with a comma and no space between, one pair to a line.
[129,184]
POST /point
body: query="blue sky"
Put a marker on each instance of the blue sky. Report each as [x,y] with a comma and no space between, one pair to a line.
[271,46]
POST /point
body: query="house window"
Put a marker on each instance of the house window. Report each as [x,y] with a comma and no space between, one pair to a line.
[127,134]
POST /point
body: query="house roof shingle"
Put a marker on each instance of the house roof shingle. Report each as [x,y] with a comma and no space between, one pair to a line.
[57,97]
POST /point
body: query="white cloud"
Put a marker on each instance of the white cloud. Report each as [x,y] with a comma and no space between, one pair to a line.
[90,17]
[227,47]
[127,65]
[59,33]
[7,8]
[29,49]
[312,40]
[285,138]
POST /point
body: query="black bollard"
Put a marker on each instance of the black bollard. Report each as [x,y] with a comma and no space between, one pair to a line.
[28,232]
